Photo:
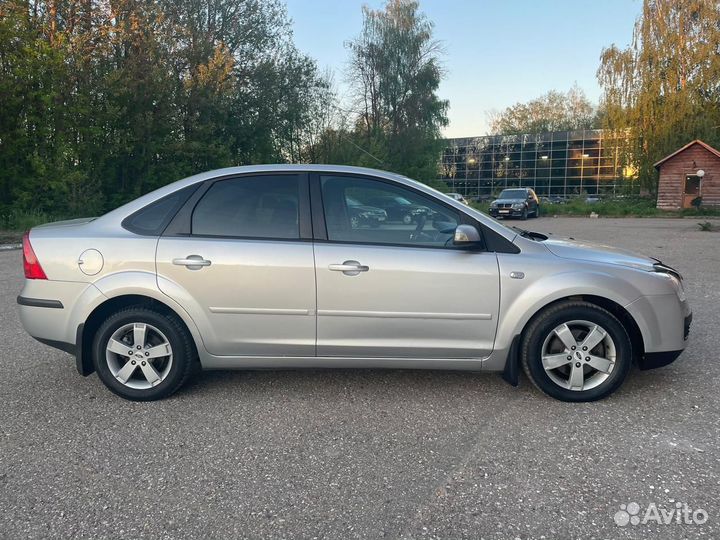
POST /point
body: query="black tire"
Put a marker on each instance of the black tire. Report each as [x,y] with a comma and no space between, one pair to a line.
[544,323]
[184,358]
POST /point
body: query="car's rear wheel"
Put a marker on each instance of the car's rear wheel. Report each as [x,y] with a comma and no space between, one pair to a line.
[576,351]
[143,355]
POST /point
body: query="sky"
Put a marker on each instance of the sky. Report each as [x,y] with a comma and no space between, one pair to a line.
[497,53]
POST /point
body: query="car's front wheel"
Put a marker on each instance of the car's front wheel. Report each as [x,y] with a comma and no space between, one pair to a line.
[576,351]
[143,355]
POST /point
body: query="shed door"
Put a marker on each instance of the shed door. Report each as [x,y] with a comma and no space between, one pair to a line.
[692,190]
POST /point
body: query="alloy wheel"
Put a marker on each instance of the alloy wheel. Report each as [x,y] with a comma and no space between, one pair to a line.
[139,355]
[578,355]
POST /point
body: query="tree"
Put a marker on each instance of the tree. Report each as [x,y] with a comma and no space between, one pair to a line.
[103,100]
[554,111]
[395,73]
[664,90]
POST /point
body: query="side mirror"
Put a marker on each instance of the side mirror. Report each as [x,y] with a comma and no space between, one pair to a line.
[466,235]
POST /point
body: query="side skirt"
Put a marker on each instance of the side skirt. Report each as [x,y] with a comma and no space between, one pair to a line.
[295,362]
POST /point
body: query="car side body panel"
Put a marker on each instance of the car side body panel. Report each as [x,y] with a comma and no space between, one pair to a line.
[255,298]
[412,302]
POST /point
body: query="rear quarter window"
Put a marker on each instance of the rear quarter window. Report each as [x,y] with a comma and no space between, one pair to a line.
[152,219]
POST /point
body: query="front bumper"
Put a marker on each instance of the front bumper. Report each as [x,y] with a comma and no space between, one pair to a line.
[505,212]
[654,360]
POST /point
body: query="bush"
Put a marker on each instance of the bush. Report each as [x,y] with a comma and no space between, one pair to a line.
[22,220]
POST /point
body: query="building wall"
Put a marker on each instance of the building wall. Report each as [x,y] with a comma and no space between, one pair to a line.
[565,163]
[673,172]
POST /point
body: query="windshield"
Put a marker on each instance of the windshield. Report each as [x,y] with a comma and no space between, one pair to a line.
[513,194]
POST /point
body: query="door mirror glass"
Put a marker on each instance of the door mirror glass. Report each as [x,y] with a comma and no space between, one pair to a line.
[466,235]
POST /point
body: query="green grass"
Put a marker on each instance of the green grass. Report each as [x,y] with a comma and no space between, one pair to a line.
[615,208]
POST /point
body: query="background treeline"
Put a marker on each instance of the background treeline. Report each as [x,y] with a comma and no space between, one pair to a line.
[663,90]
[103,100]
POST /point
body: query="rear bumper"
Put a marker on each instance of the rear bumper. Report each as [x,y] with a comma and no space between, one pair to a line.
[39,302]
[50,311]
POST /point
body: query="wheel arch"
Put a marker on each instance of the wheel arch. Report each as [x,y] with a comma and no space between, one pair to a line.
[626,319]
[87,330]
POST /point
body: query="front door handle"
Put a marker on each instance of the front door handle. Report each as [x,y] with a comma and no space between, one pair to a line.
[192,262]
[349,268]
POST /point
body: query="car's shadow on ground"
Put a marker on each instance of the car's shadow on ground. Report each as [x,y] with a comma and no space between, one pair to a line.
[446,385]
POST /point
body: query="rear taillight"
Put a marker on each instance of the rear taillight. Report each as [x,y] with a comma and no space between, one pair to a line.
[31,265]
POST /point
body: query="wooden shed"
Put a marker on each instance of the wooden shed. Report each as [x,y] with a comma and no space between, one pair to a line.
[690,172]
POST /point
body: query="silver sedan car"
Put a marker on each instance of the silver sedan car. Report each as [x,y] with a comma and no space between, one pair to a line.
[264,267]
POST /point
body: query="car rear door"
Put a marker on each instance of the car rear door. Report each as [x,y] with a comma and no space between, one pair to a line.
[398,289]
[239,259]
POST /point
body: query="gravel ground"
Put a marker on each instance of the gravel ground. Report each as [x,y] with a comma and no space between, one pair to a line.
[349,454]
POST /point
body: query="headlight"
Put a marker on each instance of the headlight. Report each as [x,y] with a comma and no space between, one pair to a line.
[518,206]
[677,284]
[679,289]
[674,276]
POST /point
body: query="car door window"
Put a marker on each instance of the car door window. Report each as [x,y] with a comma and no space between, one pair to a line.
[366,210]
[250,207]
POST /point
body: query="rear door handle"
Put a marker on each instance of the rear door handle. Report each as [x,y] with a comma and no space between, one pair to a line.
[349,268]
[192,262]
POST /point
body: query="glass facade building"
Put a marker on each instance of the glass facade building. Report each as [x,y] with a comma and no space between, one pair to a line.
[564,163]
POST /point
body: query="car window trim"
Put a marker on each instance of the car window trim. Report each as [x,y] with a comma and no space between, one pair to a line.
[181,225]
[320,225]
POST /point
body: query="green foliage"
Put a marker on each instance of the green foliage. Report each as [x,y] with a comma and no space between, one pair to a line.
[664,89]
[554,111]
[22,220]
[102,102]
[395,74]
[706,226]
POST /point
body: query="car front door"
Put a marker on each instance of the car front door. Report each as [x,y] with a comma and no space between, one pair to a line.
[239,259]
[398,289]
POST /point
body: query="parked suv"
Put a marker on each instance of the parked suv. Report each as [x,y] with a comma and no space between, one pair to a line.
[266,267]
[516,202]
